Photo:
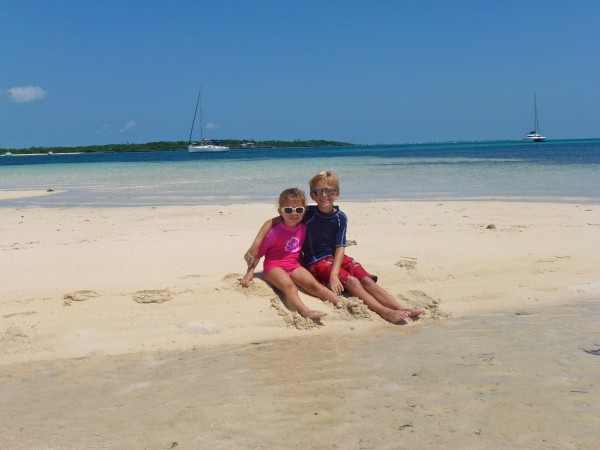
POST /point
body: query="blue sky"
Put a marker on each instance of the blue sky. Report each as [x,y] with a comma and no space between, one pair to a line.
[99,72]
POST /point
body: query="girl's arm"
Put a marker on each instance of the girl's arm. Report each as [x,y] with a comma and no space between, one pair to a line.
[245,282]
[334,282]
[251,255]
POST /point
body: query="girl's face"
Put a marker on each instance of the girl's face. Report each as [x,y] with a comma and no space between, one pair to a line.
[292,212]
[325,195]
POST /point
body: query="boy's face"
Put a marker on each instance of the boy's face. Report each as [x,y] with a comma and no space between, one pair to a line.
[324,195]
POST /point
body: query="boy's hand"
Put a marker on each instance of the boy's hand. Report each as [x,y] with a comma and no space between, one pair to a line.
[336,285]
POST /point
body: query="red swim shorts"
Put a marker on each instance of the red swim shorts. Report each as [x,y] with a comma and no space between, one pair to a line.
[350,268]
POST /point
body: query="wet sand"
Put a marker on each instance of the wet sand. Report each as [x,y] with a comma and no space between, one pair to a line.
[525,379]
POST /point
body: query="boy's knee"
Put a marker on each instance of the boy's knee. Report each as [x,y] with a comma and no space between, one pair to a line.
[352,283]
[367,281]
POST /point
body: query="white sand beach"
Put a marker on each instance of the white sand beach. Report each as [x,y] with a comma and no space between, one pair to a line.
[112,318]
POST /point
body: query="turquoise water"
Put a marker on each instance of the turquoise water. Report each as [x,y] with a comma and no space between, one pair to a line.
[557,171]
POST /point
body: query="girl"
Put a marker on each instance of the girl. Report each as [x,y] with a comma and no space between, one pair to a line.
[281,248]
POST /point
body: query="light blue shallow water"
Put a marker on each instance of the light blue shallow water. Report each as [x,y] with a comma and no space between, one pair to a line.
[559,171]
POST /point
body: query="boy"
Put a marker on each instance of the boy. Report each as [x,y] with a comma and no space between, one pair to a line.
[324,252]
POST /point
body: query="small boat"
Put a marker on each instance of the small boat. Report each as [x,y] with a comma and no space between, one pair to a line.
[534,135]
[7,154]
[205,145]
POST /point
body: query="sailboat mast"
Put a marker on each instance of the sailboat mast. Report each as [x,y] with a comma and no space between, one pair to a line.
[535,115]
[194,119]
[201,119]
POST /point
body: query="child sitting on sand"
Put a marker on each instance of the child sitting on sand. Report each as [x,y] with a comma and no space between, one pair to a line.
[324,252]
[281,248]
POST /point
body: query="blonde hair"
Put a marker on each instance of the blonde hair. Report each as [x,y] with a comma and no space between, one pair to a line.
[329,176]
[293,194]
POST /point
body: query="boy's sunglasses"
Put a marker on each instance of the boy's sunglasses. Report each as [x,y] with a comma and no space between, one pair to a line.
[327,191]
[290,210]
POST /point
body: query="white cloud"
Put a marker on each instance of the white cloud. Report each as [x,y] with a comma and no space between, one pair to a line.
[26,94]
[105,129]
[128,126]
[211,126]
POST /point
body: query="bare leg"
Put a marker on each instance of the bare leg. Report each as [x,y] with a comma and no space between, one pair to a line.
[282,281]
[384,297]
[390,314]
[308,282]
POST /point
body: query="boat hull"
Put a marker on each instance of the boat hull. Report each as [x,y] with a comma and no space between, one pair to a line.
[207,148]
[534,137]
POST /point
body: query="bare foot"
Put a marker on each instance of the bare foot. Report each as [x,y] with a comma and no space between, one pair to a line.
[395,316]
[314,315]
[413,312]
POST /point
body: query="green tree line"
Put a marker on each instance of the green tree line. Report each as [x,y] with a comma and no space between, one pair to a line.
[172,145]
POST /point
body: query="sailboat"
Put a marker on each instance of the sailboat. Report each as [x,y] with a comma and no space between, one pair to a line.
[534,135]
[205,145]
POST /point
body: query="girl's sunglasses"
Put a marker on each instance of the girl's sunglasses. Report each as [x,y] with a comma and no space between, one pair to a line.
[290,210]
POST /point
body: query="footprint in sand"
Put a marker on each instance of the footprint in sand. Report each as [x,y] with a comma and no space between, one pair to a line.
[79,296]
[23,313]
[592,350]
[153,296]
[430,304]
[407,263]
[200,327]
[258,287]
[14,334]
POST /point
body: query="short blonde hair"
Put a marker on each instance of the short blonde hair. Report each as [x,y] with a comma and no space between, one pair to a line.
[329,176]
[293,194]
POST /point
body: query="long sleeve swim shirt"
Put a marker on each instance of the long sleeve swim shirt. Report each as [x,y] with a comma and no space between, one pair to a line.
[281,247]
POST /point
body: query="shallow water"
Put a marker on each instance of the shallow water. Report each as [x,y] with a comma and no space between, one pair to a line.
[520,379]
[558,171]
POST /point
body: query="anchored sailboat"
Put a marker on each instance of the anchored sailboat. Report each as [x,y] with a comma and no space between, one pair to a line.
[205,145]
[534,135]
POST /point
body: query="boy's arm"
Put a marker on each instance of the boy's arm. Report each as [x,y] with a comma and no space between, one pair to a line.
[334,282]
[251,255]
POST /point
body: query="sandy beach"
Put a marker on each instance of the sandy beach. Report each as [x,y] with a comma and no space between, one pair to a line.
[128,328]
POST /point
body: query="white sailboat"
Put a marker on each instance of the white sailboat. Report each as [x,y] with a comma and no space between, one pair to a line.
[534,135]
[205,145]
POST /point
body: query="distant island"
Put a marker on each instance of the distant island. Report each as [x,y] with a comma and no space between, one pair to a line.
[171,146]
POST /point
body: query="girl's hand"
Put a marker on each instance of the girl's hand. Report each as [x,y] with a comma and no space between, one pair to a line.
[245,282]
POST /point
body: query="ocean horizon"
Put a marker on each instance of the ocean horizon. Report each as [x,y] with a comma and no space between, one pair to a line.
[564,170]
